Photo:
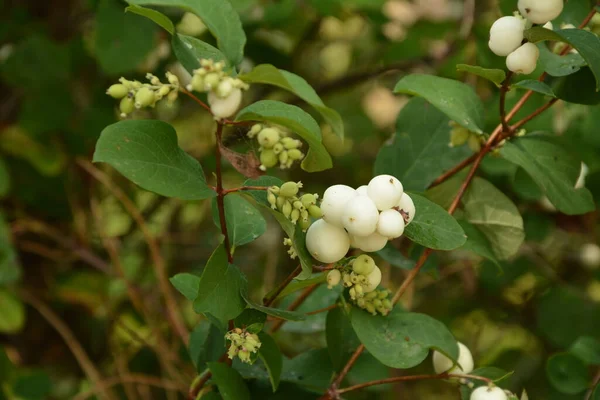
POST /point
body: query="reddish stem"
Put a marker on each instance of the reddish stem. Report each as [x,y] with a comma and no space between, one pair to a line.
[221,194]
[295,304]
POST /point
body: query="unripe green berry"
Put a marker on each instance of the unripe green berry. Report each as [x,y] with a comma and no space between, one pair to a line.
[371,296]
[127,105]
[382,294]
[272,199]
[377,303]
[268,137]
[144,97]
[256,128]
[333,278]
[117,91]
[287,209]
[315,211]
[163,91]
[295,154]
[459,136]
[244,356]
[298,205]
[268,158]
[290,189]
[211,80]
[363,265]
[370,308]
[197,83]
[304,224]
[295,216]
[352,293]
[283,158]
[359,291]
[292,144]
[386,303]
[308,199]
[281,202]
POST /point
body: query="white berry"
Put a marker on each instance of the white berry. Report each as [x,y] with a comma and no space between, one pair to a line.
[327,243]
[506,35]
[373,242]
[441,363]
[362,190]
[374,279]
[385,191]
[360,216]
[590,255]
[226,107]
[390,224]
[540,11]
[524,59]
[334,203]
[407,206]
[488,393]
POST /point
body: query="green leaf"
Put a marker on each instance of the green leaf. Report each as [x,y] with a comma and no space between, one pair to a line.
[35,385]
[402,339]
[274,312]
[190,50]
[5,181]
[587,349]
[578,88]
[251,319]
[12,317]
[296,285]
[270,75]
[296,120]
[341,339]
[221,285]
[146,152]
[477,242]
[392,255]
[230,383]
[586,43]
[557,65]
[554,170]
[122,40]
[272,358]
[261,195]
[496,216]
[419,152]
[497,76]
[219,17]
[311,369]
[455,99]
[186,284]
[567,373]
[159,18]
[207,344]
[433,227]
[536,86]
[244,222]
[320,298]
[596,392]
[10,268]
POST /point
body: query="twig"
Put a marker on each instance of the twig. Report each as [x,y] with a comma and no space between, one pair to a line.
[595,382]
[221,193]
[132,378]
[157,258]
[71,341]
[244,188]
[503,91]
[267,301]
[295,304]
[455,170]
[411,378]
[324,309]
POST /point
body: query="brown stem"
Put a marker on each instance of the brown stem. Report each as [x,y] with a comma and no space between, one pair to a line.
[221,194]
[503,91]
[158,261]
[531,116]
[267,301]
[411,378]
[244,188]
[348,366]
[324,309]
[197,100]
[295,304]
[455,170]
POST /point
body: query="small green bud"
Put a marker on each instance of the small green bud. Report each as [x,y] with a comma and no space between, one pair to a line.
[304,224]
[278,148]
[295,154]
[290,143]
[268,137]
[268,159]
[298,205]
[224,88]
[295,216]
[371,295]
[346,279]
[387,304]
[172,78]
[304,215]
[287,209]
[352,293]
[211,80]
[126,106]
[272,199]
[370,308]
[459,136]
[290,189]
[163,91]
[377,303]
[383,311]
[315,211]
[256,128]
[197,83]
[359,290]
[244,356]
[172,96]
[361,302]
[280,202]
[144,97]
[363,265]
[308,199]
[333,278]
[232,352]
[117,91]
[354,278]
[383,294]
[283,158]
[474,143]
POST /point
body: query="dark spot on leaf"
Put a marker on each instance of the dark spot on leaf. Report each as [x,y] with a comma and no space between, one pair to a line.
[407,338]
[127,140]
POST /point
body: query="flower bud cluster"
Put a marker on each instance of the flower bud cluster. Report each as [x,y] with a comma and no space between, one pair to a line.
[460,135]
[276,146]
[298,209]
[362,277]
[243,344]
[135,95]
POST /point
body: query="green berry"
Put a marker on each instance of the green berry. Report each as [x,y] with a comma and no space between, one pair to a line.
[290,189]
[382,294]
[211,80]
[163,91]
[363,265]
[144,97]
[298,205]
[278,148]
[117,91]
[295,154]
[304,224]
[308,200]
[287,209]
[377,303]
[283,158]
[352,293]
[268,158]
[295,216]
[268,137]
[371,295]
[387,304]
[256,128]
[370,308]
[272,199]
[333,278]
[281,202]
[459,136]
[127,105]
[315,211]
[290,143]
[197,83]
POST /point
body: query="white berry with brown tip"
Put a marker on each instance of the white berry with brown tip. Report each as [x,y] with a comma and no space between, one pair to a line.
[360,216]
[488,393]
[334,203]
[385,191]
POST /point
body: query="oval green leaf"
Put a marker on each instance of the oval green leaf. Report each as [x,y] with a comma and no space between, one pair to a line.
[244,222]
[230,383]
[190,50]
[567,373]
[496,76]
[271,355]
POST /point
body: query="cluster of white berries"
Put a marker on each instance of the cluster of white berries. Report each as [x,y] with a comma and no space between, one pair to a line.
[136,95]
[364,218]
[296,209]
[362,277]
[442,364]
[507,34]
[276,146]
[243,344]
[224,91]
